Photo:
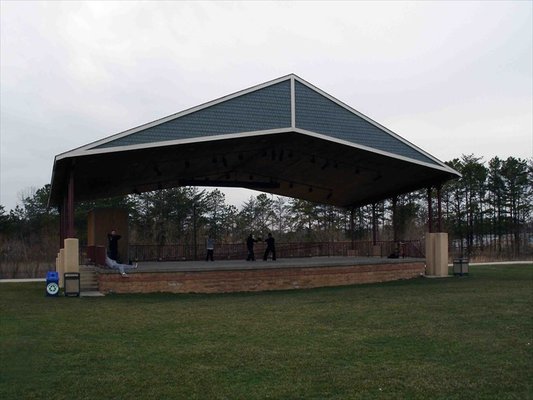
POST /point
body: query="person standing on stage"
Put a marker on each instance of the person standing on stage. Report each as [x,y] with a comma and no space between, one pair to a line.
[210,246]
[250,247]
[271,248]
[112,245]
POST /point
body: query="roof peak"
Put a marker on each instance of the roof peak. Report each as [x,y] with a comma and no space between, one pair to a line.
[286,102]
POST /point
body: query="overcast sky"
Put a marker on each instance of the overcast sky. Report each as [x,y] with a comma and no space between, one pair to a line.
[452,77]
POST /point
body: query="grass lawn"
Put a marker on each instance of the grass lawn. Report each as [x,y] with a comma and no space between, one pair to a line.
[456,338]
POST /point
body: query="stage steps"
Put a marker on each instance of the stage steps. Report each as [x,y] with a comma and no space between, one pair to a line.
[88,278]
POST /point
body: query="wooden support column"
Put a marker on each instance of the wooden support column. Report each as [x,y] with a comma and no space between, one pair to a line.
[395,219]
[194,239]
[374,225]
[376,248]
[70,204]
[352,227]
[66,213]
[62,224]
[439,209]
[430,210]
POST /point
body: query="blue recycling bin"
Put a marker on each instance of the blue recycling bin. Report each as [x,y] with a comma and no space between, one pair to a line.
[52,283]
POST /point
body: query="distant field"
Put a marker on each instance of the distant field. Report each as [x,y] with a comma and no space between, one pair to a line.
[454,338]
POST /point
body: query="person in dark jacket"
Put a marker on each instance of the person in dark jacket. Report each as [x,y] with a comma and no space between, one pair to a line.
[271,248]
[112,245]
[250,247]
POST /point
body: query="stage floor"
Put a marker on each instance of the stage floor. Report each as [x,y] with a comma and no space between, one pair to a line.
[305,262]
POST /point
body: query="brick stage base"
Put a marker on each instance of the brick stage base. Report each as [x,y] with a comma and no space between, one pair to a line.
[240,276]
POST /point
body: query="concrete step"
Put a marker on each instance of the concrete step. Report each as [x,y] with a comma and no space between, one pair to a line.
[88,278]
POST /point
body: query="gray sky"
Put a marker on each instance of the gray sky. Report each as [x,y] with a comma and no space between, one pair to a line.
[452,77]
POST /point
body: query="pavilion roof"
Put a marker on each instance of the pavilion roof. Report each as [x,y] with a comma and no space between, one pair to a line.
[284,136]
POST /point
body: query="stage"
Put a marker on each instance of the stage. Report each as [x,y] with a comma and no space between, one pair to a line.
[223,276]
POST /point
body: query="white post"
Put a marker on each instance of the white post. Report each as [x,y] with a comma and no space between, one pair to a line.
[72,255]
[437,254]
[61,266]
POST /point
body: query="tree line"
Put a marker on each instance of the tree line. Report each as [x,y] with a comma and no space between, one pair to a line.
[488,208]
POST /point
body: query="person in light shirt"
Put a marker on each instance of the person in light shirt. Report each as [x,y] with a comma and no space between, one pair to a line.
[121,267]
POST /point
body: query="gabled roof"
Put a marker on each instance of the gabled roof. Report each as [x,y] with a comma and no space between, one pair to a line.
[284,117]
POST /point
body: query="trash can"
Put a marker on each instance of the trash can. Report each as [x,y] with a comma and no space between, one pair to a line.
[460,266]
[72,284]
[52,283]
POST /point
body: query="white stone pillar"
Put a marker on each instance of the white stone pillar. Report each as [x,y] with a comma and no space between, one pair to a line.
[430,256]
[441,253]
[61,266]
[72,255]
[437,254]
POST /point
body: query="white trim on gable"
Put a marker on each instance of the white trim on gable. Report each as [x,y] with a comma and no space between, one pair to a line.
[103,150]
[180,114]
[369,120]
[90,149]
[440,166]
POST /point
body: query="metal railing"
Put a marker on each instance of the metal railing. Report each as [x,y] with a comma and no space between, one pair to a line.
[235,251]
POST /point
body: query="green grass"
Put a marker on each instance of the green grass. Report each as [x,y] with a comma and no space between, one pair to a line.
[456,338]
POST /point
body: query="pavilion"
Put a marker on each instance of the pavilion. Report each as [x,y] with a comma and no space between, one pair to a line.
[285,137]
